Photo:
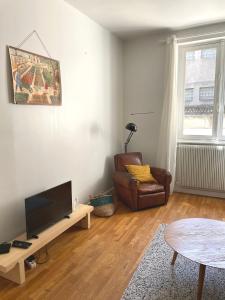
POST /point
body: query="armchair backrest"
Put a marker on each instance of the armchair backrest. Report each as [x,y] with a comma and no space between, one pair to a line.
[132,158]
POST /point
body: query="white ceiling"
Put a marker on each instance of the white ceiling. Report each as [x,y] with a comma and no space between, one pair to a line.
[129,17]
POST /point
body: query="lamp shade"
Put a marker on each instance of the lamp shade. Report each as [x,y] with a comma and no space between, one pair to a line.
[131,127]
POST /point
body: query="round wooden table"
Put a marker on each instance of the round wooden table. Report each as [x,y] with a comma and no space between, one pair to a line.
[201,240]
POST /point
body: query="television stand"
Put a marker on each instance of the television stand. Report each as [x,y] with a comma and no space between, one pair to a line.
[12,263]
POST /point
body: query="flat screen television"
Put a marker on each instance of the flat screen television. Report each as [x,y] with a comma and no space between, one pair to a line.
[48,207]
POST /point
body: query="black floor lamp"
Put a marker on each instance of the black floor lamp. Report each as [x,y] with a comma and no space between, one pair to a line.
[133,128]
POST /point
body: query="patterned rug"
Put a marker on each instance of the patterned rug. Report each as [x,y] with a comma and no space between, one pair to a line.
[155,278]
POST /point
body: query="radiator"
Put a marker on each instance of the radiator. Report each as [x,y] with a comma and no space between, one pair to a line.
[201,167]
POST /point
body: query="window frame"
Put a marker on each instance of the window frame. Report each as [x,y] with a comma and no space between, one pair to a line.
[219,91]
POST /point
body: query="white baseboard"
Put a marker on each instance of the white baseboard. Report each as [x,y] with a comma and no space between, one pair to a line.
[199,192]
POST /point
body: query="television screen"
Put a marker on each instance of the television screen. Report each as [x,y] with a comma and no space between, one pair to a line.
[48,207]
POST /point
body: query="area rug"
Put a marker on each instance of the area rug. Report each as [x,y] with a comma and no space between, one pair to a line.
[155,277]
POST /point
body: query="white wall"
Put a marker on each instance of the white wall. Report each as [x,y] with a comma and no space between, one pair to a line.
[145,59]
[43,146]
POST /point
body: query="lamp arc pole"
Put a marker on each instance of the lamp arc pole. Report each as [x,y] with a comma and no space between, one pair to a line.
[133,128]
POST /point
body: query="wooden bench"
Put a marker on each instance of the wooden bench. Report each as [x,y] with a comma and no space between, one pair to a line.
[12,263]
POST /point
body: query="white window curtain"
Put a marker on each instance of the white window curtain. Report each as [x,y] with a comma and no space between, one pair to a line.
[166,155]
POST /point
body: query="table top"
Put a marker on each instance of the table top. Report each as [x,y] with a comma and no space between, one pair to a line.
[201,240]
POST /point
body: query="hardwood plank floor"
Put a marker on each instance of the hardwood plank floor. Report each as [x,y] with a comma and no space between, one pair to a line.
[98,263]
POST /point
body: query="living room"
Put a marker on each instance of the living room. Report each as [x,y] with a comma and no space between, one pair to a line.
[121,104]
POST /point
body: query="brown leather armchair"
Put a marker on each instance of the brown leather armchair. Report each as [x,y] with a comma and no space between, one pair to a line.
[140,195]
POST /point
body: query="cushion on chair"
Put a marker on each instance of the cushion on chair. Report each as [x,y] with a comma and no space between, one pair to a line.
[150,188]
[141,173]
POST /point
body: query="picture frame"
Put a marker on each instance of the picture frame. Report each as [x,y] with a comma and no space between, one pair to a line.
[36,79]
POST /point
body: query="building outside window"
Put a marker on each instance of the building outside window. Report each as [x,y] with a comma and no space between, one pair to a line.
[206,94]
[190,55]
[208,53]
[189,94]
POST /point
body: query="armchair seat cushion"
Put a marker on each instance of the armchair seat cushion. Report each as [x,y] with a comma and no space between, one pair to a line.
[150,188]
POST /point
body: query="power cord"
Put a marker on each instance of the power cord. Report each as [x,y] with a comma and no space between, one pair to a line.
[39,259]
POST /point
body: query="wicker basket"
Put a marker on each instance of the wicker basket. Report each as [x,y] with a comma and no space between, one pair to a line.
[104,205]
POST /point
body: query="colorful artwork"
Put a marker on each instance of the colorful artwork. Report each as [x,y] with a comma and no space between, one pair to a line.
[36,79]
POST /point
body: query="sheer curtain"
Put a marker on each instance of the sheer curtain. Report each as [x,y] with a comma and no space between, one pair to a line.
[166,156]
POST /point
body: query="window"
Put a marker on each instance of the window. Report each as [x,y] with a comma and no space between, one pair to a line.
[201,93]
[189,93]
[206,94]
[208,53]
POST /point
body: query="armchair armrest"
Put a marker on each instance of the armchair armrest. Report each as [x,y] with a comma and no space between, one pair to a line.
[161,175]
[126,188]
[164,178]
[124,179]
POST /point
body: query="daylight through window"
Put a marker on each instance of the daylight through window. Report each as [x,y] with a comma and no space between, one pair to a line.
[202,105]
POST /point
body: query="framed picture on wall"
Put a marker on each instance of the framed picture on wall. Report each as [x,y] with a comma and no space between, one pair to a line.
[35,79]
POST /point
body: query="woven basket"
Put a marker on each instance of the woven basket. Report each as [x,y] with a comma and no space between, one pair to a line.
[104,205]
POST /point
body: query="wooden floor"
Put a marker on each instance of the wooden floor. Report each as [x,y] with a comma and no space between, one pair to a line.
[98,264]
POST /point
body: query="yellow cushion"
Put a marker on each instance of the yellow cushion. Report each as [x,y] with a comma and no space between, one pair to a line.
[141,172]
